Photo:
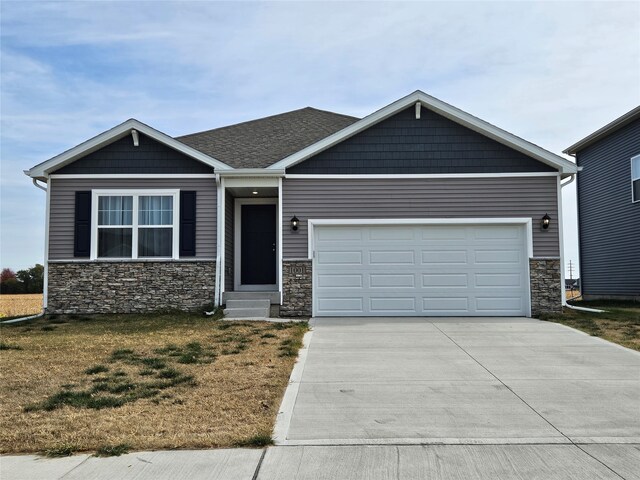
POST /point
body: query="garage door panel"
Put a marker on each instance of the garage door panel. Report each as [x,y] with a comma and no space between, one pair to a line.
[421,270]
[444,256]
[341,281]
[384,234]
[494,257]
[496,232]
[449,234]
[339,258]
[445,280]
[385,257]
[438,305]
[338,305]
[498,304]
[504,280]
[392,304]
[339,233]
[385,280]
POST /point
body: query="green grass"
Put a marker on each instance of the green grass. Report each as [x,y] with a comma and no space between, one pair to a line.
[620,323]
[9,346]
[96,369]
[113,450]
[61,450]
[121,387]
[256,441]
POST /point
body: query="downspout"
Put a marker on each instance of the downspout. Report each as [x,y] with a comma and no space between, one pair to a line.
[46,262]
[564,298]
[217,300]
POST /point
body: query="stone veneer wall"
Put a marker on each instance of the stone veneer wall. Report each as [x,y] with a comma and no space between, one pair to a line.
[130,286]
[546,290]
[296,288]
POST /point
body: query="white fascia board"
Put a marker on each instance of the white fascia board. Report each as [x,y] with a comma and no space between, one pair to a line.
[115,133]
[441,108]
[390,176]
[131,175]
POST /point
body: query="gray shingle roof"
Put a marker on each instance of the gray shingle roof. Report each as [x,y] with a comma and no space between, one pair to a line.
[262,142]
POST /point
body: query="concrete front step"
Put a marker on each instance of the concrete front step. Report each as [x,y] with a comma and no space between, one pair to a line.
[263,303]
[273,297]
[246,312]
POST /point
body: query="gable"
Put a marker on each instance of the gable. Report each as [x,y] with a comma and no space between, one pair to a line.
[433,144]
[122,157]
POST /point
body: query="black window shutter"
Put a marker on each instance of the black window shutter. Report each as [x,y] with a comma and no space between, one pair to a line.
[187,224]
[82,231]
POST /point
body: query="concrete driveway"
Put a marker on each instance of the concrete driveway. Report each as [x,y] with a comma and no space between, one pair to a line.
[401,381]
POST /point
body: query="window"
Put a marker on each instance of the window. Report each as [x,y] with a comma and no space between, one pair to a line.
[135,225]
[635,178]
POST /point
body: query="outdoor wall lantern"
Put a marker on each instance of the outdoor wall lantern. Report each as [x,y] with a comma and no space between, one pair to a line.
[545,222]
[294,223]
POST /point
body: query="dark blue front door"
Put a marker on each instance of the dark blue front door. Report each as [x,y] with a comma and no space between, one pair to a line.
[258,245]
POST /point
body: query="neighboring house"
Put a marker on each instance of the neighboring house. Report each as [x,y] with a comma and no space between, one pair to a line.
[572,284]
[609,209]
[417,209]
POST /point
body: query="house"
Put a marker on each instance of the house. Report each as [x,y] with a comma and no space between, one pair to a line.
[609,209]
[417,209]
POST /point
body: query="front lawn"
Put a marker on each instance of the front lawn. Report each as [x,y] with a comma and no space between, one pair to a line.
[98,383]
[619,324]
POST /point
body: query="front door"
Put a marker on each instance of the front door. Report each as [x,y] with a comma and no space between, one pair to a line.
[258,244]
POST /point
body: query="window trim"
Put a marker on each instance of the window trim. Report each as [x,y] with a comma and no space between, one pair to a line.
[636,158]
[135,193]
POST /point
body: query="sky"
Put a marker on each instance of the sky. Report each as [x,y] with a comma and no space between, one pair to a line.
[549,72]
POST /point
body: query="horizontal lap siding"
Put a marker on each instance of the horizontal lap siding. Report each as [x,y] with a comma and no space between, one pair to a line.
[608,220]
[61,224]
[420,198]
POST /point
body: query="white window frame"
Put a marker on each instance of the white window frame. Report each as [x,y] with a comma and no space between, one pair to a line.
[135,193]
[637,159]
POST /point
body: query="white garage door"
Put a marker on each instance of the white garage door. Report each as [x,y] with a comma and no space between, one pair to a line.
[420,270]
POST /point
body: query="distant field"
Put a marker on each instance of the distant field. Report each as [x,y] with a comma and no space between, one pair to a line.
[572,294]
[18,305]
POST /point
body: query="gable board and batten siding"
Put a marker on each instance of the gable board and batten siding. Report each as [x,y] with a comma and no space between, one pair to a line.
[431,144]
[609,223]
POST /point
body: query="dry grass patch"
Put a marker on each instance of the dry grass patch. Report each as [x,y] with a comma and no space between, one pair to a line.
[20,305]
[140,381]
[620,323]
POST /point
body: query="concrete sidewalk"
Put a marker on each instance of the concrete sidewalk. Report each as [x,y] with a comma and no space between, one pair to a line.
[450,462]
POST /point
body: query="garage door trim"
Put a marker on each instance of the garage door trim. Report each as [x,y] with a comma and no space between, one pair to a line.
[517,221]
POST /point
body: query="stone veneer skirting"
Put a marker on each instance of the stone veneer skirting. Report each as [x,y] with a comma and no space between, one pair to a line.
[296,288]
[129,286]
[546,288]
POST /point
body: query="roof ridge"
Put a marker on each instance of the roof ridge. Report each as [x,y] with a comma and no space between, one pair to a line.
[263,118]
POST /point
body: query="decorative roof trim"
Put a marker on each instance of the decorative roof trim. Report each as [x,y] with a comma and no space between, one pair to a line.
[438,106]
[43,169]
[608,129]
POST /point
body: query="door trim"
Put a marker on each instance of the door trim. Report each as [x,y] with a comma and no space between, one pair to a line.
[237,244]
[525,222]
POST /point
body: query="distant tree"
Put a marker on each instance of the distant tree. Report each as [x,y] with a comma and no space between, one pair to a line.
[32,279]
[7,274]
[29,280]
